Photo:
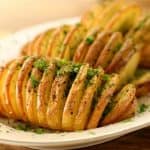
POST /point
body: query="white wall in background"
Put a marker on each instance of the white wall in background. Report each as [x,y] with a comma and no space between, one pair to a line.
[16,14]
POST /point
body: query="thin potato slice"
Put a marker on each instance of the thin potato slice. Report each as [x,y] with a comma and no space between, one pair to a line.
[110,48]
[82,49]
[96,48]
[31,95]
[142,82]
[10,85]
[44,93]
[86,102]
[89,17]
[58,41]
[145,56]
[124,19]
[31,50]
[4,111]
[23,77]
[66,41]
[121,57]
[108,12]
[72,40]
[105,97]
[121,103]
[143,89]
[24,50]
[57,101]
[43,47]
[129,112]
[74,98]
[36,45]
[127,72]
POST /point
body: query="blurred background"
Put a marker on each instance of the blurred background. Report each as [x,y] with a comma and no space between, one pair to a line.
[18,14]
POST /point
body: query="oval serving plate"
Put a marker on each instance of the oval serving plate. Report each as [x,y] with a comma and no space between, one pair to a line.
[9,48]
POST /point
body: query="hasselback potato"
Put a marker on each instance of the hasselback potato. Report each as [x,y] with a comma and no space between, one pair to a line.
[63,95]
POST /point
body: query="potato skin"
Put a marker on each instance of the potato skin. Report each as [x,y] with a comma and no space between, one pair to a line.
[57,102]
[130,111]
[124,19]
[123,100]
[96,48]
[73,99]
[108,51]
[43,93]
[86,103]
[4,110]
[84,46]
[10,84]
[108,90]
[23,77]
[31,96]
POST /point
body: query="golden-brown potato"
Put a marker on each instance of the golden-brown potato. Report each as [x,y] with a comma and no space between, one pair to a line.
[21,84]
[72,40]
[109,11]
[4,110]
[120,103]
[46,41]
[145,56]
[130,111]
[96,48]
[103,100]
[86,102]
[109,50]
[55,48]
[43,93]
[10,85]
[120,58]
[82,49]
[74,98]
[124,19]
[31,95]
[57,101]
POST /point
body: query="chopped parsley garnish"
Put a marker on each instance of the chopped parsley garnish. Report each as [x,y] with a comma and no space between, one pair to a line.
[141,24]
[27,127]
[69,68]
[39,130]
[117,47]
[61,63]
[41,64]
[90,40]
[142,108]
[22,126]
[92,72]
[106,77]
[34,81]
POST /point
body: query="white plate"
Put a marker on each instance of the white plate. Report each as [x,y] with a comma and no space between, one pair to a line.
[9,48]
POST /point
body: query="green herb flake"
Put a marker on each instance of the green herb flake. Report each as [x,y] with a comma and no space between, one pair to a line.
[41,64]
[142,108]
[92,72]
[117,47]
[89,40]
[106,77]
[34,81]
[141,23]
[39,130]
[22,126]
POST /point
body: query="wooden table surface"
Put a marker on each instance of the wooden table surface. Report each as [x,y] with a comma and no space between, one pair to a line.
[139,140]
